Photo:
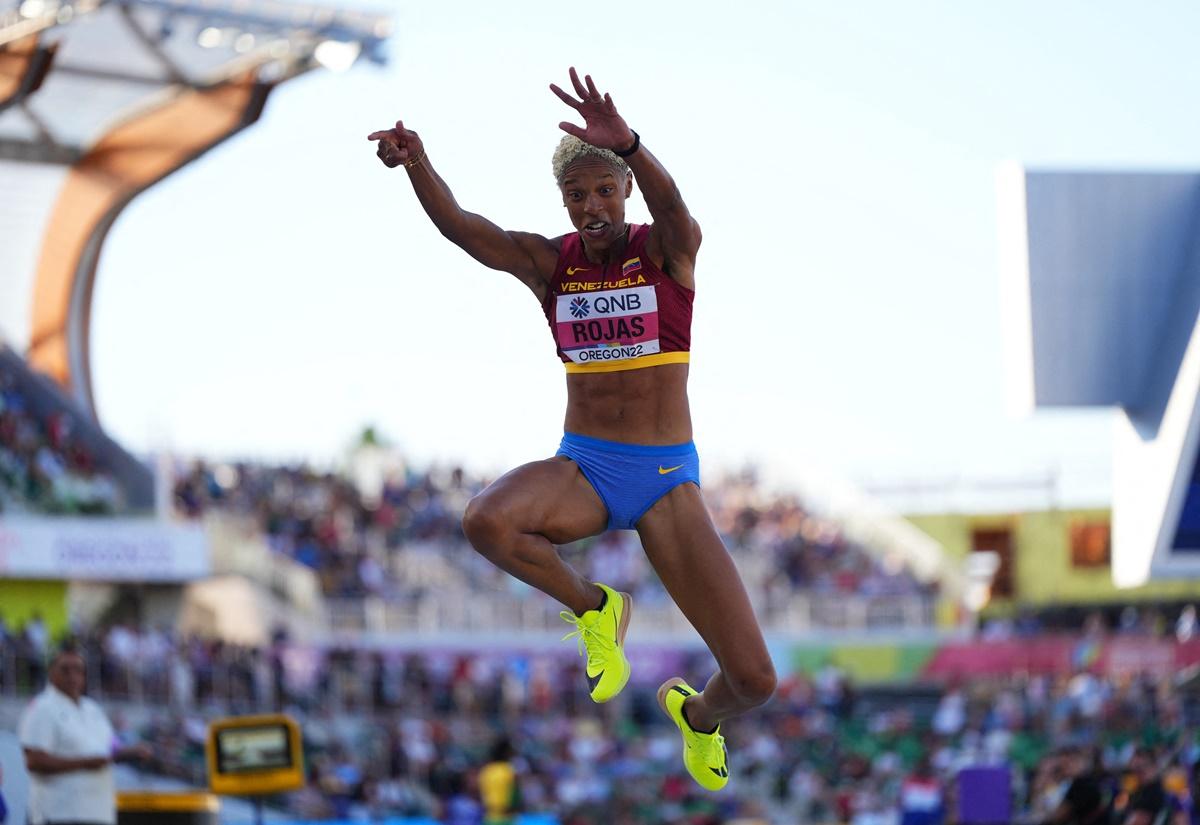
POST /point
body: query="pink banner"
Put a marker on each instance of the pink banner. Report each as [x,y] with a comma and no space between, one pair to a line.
[1042,655]
[1063,655]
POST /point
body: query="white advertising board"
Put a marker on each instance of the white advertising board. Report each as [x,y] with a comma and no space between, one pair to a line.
[102,549]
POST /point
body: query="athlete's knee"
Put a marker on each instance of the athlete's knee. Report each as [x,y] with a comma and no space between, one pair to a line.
[754,681]
[485,524]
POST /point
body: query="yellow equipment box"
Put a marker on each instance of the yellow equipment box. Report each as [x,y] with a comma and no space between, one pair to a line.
[254,755]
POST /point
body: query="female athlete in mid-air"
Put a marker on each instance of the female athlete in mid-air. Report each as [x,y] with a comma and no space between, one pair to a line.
[618,298]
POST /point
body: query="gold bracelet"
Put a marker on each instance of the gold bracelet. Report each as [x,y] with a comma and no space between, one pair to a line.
[411,163]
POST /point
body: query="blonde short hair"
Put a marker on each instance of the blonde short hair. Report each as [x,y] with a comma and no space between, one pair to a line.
[571,149]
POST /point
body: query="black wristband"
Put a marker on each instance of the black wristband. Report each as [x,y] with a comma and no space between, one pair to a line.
[624,153]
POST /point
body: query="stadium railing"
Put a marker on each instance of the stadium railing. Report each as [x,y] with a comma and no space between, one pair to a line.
[432,612]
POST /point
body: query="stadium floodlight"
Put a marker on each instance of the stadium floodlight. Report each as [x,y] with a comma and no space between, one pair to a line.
[336,55]
[34,16]
[209,37]
[145,87]
[35,8]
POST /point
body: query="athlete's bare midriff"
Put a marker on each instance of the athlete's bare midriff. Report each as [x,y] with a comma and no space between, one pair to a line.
[647,406]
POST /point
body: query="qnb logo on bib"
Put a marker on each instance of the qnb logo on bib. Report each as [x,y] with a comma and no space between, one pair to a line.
[611,325]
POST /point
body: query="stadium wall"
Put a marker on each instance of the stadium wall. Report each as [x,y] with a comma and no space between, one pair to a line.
[1046,570]
[915,662]
[866,663]
[20,599]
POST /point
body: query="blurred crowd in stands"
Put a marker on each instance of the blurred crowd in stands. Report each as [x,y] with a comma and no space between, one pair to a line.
[398,534]
[42,467]
[407,733]
[390,732]
[385,529]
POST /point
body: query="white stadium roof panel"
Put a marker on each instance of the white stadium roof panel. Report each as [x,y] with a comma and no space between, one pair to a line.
[1101,274]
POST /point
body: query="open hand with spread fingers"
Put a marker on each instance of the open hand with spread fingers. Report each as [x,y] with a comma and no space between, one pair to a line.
[398,146]
[603,125]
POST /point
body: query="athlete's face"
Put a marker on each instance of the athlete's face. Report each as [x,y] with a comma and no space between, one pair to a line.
[594,193]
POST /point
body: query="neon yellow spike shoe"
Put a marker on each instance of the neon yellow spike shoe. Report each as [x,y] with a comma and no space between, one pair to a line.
[704,754]
[602,632]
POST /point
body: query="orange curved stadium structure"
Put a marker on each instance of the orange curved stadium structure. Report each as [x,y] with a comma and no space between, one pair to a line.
[129,159]
[23,67]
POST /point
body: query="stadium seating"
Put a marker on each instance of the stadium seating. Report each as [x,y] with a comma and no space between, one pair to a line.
[384,550]
[392,734]
[53,459]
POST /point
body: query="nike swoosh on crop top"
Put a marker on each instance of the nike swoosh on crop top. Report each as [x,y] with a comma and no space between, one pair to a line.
[619,316]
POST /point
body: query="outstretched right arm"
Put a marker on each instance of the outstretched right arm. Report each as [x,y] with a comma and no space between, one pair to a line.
[530,257]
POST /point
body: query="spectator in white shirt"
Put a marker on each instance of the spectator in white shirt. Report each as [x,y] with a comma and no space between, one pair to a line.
[70,748]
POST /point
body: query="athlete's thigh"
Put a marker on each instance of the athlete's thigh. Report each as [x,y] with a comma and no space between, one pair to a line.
[549,497]
[686,551]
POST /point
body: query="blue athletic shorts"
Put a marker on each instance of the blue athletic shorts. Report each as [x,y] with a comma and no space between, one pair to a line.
[629,478]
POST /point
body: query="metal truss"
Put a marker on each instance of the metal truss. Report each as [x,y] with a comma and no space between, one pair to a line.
[278,40]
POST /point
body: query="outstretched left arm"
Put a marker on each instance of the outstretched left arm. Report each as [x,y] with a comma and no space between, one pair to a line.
[675,235]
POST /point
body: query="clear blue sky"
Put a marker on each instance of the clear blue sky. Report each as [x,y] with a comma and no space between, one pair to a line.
[286,289]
